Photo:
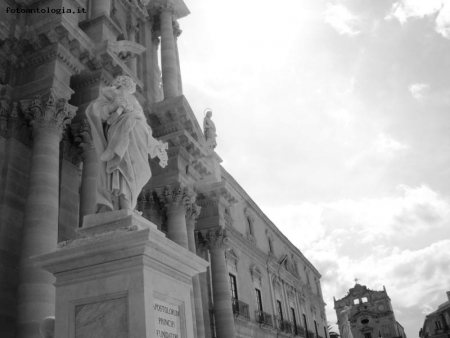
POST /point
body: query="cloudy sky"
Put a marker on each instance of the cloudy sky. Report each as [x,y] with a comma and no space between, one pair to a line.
[335,117]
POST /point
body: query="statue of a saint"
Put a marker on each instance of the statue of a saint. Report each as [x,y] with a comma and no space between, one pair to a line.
[209,129]
[345,324]
[123,140]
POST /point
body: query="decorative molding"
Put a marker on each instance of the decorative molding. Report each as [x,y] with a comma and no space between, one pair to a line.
[256,274]
[232,259]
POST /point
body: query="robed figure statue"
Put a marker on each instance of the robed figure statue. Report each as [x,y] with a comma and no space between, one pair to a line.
[123,140]
[209,129]
[346,331]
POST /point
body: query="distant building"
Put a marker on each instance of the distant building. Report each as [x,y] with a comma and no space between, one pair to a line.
[371,315]
[437,323]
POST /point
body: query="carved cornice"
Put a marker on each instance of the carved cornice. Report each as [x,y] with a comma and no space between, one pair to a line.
[213,239]
[48,113]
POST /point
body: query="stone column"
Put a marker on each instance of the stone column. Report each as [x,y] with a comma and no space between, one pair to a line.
[175,202]
[88,190]
[168,57]
[177,32]
[102,7]
[193,211]
[216,242]
[36,293]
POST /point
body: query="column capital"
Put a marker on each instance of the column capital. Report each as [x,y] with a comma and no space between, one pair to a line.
[216,238]
[175,199]
[48,113]
[192,212]
[82,134]
[164,8]
[176,29]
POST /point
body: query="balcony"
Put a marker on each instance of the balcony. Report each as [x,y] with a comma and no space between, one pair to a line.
[240,308]
[263,318]
[285,326]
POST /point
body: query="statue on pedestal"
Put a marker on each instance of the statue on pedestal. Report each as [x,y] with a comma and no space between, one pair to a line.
[123,140]
[346,330]
[209,129]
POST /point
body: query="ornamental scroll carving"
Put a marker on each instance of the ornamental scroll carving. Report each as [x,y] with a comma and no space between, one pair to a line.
[50,113]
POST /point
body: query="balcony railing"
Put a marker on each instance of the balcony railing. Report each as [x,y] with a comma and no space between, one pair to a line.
[284,325]
[263,318]
[240,308]
[299,331]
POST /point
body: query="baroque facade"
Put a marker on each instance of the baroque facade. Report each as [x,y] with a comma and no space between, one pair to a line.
[52,65]
[371,315]
[437,323]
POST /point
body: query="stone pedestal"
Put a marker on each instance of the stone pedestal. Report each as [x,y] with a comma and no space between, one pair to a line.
[122,278]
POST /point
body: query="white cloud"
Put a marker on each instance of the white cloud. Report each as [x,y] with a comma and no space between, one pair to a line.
[406,9]
[342,20]
[419,90]
[385,144]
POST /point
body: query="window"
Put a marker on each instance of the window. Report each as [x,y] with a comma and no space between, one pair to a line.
[364,300]
[249,226]
[356,301]
[259,306]
[294,320]
[306,325]
[233,287]
[270,246]
[279,310]
[325,331]
[367,335]
[438,325]
[315,326]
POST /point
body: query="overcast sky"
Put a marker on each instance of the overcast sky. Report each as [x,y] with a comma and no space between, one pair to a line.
[335,117]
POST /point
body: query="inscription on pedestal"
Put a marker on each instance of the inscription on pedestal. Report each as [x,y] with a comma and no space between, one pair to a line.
[167,319]
[105,319]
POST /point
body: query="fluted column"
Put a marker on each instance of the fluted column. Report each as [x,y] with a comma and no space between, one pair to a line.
[175,202]
[192,213]
[216,242]
[88,189]
[168,55]
[36,293]
[102,7]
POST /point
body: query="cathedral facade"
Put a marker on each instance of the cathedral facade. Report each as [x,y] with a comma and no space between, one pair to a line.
[371,313]
[56,56]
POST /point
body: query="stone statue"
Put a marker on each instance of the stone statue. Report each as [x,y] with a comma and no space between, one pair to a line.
[209,129]
[346,331]
[123,140]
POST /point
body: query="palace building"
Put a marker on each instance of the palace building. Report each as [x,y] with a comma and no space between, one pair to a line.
[371,315]
[437,323]
[55,58]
